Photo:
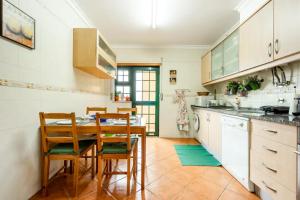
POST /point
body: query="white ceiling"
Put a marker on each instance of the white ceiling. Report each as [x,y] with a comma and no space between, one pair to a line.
[179,22]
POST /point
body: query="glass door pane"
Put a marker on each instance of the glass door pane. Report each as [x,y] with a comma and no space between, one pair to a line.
[231,53]
[147,97]
[217,62]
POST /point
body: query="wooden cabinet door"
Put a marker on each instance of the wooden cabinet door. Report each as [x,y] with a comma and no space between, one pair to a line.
[256,39]
[217,56]
[206,68]
[286,27]
[204,127]
[215,134]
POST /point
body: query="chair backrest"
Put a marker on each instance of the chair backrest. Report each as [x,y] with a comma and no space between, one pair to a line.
[96,109]
[127,110]
[53,133]
[122,131]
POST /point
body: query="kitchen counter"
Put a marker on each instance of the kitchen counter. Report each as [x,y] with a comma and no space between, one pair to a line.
[254,114]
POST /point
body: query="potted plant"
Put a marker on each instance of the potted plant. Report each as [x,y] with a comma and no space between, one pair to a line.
[232,87]
[117,96]
[242,90]
[253,83]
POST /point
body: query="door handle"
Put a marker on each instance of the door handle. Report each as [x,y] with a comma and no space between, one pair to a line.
[297,152]
[271,150]
[268,187]
[276,46]
[270,49]
[269,168]
[270,131]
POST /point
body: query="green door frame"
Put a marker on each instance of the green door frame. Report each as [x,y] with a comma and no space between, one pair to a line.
[132,80]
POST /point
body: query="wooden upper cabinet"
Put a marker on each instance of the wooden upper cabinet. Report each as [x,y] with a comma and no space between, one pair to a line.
[92,54]
[286,27]
[256,39]
[206,68]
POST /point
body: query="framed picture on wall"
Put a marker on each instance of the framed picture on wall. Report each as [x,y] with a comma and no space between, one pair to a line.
[16,25]
[173,77]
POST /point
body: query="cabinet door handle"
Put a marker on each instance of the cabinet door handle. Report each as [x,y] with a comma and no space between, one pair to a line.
[270,188]
[297,152]
[271,150]
[276,46]
[270,131]
[270,49]
[269,168]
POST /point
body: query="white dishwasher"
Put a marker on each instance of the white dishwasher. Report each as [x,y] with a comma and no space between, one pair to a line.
[236,148]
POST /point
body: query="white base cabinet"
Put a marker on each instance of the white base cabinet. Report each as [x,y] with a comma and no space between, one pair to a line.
[210,134]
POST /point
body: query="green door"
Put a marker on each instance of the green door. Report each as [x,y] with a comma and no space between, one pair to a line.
[144,89]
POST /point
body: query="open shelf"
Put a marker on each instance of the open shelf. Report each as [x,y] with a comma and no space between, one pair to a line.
[92,54]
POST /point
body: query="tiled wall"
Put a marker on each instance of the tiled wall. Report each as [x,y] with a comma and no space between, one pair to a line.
[50,65]
[268,94]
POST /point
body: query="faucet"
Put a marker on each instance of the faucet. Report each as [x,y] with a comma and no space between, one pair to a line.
[236,104]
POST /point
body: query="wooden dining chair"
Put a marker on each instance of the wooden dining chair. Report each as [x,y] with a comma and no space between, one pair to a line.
[60,142]
[121,146]
[127,110]
[96,109]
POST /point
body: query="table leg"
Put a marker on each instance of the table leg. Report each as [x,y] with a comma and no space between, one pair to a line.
[143,158]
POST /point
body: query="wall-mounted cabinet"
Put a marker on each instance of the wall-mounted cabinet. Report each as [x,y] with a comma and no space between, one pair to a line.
[92,54]
[268,38]
[206,68]
[256,39]
[217,56]
[231,54]
[286,28]
[225,57]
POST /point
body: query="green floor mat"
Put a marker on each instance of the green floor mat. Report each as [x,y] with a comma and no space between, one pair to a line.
[195,155]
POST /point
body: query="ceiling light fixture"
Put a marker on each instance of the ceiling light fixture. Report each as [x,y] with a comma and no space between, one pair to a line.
[154,13]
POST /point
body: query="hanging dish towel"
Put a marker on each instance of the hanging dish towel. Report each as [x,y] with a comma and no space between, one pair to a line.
[182,116]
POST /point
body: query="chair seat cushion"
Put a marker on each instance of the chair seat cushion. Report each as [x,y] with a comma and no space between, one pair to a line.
[67,148]
[117,148]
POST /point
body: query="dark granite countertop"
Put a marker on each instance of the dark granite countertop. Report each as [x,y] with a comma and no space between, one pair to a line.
[255,114]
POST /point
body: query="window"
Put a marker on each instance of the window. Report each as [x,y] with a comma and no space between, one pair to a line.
[123,88]
[123,76]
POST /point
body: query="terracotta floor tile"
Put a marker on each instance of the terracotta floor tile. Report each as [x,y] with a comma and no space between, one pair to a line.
[165,188]
[150,176]
[119,188]
[180,176]
[229,195]
[238,188]
[103,195]
[142,195]
[217,175]
[204,189]
[166,179]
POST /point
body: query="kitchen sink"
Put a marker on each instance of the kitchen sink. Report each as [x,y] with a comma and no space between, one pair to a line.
[251,112]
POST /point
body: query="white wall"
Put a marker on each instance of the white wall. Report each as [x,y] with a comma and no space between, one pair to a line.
[48,66]
[187,63]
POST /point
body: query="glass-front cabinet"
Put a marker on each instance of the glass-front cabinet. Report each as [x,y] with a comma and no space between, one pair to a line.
[231,54]
[217,62]
[225,57]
